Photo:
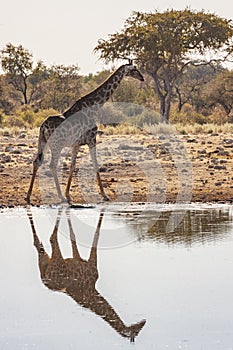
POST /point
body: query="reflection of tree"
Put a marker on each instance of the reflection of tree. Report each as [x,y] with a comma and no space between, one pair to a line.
[77,277]
[196,227]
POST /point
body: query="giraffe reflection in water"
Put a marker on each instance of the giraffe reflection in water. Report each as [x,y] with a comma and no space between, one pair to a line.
[77,277]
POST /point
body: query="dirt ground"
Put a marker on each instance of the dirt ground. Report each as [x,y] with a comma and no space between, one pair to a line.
[133,168]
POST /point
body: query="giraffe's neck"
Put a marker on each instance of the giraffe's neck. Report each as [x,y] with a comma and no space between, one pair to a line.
[100,306]
[98,96]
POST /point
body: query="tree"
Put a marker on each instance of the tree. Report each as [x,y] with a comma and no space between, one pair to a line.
[190,84]
[9,97]
[61,87]
[163,42]
[220,91]
[17,63]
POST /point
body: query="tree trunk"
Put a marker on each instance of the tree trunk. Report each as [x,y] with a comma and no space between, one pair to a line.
[164,98]
[165,106]
[24,91]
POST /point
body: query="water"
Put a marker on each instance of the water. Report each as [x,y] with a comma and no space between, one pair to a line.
[161,287]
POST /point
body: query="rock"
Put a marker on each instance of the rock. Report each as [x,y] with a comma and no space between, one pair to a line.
[223,153]
[228,141]
[201,151]
[21,144]
[191,140]
[166,144]
[6,158]
[9,148]
[16,151]
[220,167]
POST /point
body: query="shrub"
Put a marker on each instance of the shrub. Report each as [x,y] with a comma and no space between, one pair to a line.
[25,117]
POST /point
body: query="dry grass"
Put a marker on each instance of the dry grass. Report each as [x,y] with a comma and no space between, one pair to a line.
[170,129]
[209,128]
[122,129]
[130,129]
[15,131]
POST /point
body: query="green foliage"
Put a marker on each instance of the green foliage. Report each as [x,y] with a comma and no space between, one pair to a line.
[16,60]
[157,38]
[63,87]
[37,85]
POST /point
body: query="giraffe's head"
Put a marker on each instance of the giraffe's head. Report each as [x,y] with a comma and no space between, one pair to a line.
[132,71]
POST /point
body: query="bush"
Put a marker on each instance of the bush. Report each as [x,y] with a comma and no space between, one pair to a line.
[188,115]
[2,116]
[111,114]
[25,117]
[148,116]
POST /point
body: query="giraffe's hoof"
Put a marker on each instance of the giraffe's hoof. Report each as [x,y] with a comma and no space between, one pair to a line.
[65,200]
[27,199]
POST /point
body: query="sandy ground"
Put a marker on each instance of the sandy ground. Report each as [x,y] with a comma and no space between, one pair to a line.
[134,168]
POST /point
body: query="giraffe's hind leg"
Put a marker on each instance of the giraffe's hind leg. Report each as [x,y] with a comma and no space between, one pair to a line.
[72,167]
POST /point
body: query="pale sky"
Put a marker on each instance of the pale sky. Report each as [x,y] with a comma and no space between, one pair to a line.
[66,32]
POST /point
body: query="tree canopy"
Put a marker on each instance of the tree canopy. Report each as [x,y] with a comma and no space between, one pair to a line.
[162,44]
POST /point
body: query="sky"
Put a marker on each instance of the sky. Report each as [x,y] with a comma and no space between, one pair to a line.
[66,32]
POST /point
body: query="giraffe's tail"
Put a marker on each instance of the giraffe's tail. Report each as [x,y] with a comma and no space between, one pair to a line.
[41,146]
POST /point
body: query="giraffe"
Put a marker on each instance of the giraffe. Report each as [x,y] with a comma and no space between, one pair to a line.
[77,277]
[76,127]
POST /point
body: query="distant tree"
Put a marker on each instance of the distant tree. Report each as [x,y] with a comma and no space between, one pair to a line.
[17,63]
[163,42]
[10,99]
[220,91]
[91,81]
[61,87]
[36,81]
[190,84]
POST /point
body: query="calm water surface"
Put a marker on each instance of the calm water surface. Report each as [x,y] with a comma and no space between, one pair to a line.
[160,278]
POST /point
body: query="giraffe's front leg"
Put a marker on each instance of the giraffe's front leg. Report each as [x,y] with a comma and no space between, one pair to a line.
[95,164]
[53,168]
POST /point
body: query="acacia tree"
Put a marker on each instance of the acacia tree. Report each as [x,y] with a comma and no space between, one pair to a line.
[17,63]
[162,44]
